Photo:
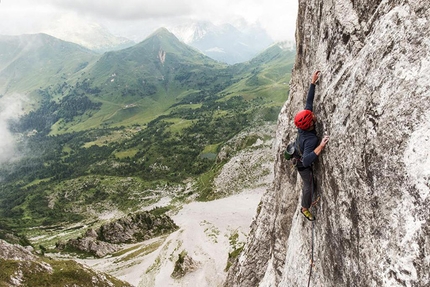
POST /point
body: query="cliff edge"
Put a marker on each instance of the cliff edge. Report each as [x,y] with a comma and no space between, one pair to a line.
[373,99]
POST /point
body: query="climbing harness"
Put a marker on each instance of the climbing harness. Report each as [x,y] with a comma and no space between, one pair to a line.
[299,151]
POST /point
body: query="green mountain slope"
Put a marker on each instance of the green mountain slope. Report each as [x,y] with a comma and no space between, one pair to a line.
[28,62]
[137,84]
[160,63]
[267,75]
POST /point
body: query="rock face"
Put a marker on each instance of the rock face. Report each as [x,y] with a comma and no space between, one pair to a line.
[373,99]
[133,228]
[137,227]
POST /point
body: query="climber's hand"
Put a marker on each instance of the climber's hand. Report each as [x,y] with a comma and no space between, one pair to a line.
[321,146]
[324,141]
[315,77]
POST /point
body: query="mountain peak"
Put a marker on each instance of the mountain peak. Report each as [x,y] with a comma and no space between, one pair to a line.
[167,42]
[163,32]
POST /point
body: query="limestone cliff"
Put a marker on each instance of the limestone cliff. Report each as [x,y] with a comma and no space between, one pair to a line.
[373,99]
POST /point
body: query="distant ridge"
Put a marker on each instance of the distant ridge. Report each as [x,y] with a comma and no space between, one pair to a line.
[87,34]
[29,61]
[225,43]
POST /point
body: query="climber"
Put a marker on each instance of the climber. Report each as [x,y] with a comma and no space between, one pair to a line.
[308,147]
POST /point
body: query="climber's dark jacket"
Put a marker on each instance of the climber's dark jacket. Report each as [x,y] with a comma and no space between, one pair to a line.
[308,140]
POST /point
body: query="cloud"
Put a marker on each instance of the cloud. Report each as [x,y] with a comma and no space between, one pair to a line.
[10,109]
[26,16]
[128,10]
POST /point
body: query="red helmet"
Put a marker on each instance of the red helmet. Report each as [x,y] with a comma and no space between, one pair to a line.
[303,119]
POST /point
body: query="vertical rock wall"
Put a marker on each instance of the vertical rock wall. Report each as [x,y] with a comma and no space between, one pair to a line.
[373,99]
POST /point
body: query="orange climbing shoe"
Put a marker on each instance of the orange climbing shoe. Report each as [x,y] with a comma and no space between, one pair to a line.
[307,214]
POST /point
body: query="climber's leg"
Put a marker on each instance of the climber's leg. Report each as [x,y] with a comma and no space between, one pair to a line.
[307,178]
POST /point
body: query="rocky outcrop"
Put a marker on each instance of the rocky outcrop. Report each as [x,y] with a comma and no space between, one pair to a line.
[90,244]
[372,225]
[136,227]
[21,267]
[183,265]
[15,252]
[16,261]
[133,228]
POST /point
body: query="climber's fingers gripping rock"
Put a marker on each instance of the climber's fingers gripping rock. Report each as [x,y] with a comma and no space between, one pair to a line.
[315,77]
[324,140]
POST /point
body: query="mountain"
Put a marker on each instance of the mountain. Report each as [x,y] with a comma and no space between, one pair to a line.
[87,34]
[224,43]
[266,75]
[28,62]
[158,56]
[132,85]
[372,223]
[150,77]
[277,54]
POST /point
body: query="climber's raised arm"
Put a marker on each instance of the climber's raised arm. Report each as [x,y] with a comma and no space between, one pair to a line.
[311,92]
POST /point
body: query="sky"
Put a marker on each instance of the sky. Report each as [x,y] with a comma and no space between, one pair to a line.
[136,19]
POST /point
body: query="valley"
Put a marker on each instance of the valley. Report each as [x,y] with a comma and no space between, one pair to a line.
[208,232]
[131,131]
